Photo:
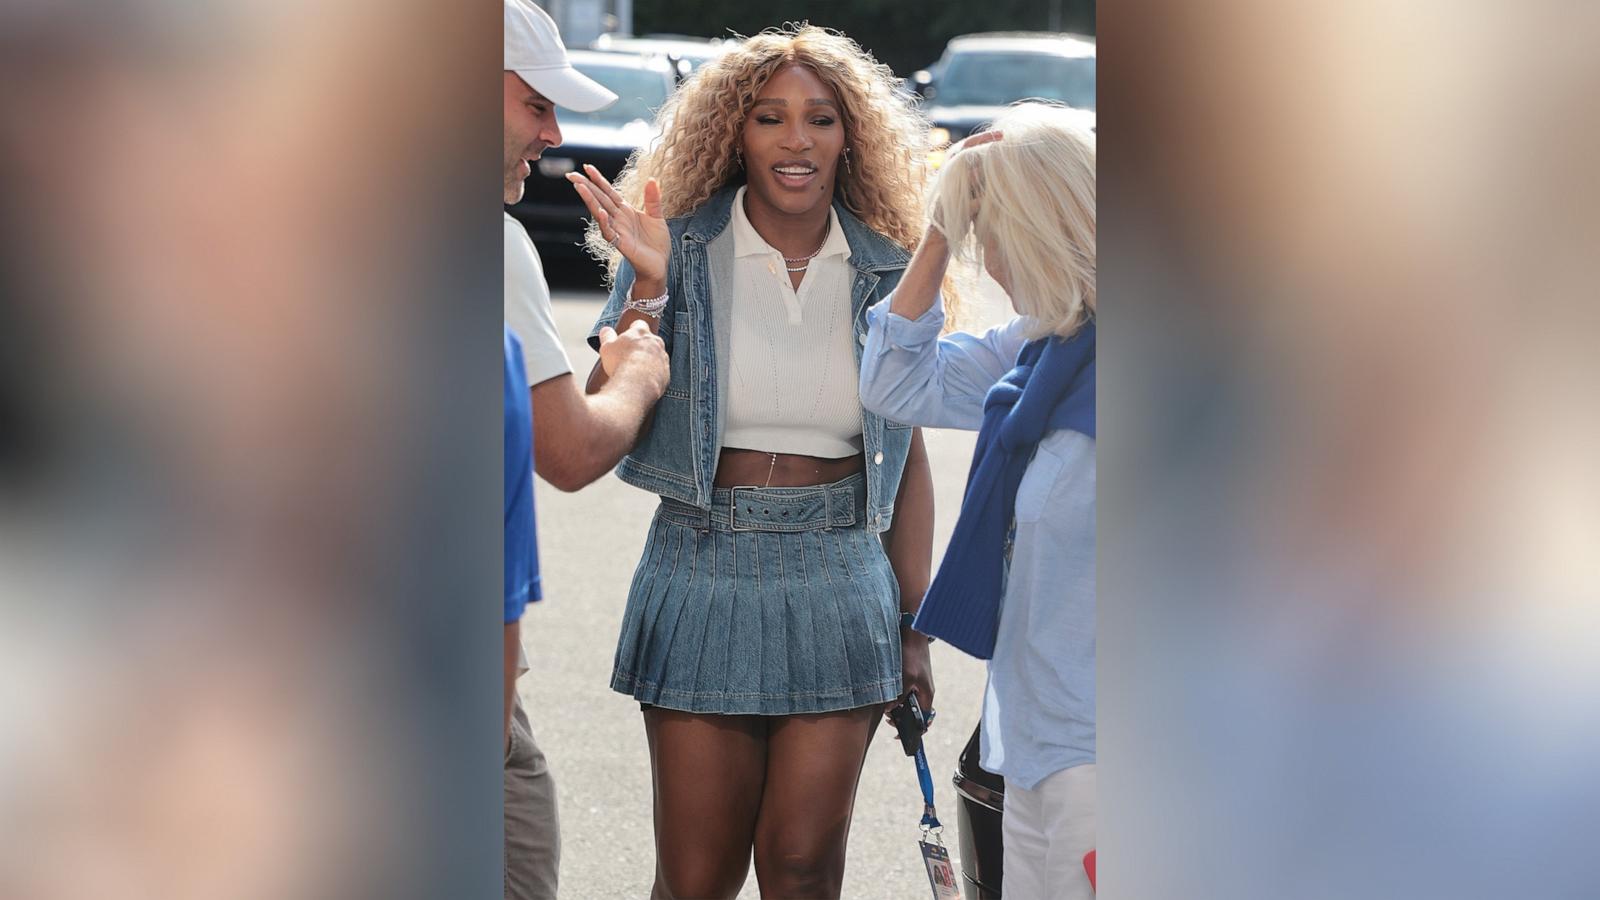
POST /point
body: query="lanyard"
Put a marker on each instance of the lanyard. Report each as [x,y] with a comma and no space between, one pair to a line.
[930,818]
[941,874]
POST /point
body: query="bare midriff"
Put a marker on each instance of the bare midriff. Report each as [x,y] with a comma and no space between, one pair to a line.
[747,468]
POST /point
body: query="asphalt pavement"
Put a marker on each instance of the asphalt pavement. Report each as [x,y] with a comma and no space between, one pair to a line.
[594,738]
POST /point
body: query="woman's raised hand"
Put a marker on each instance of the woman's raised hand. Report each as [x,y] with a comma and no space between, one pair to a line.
[934,238]
[640,236]
[976,140]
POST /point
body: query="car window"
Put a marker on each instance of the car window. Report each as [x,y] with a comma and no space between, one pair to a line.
[640,92]
[996,79]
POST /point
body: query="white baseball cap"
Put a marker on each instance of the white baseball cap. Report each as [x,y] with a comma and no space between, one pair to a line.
[534,51]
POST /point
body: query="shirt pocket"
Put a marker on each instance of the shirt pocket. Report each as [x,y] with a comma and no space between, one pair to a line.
[1037,483]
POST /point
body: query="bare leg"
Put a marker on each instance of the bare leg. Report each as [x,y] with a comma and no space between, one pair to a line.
[813,766]
[708,772]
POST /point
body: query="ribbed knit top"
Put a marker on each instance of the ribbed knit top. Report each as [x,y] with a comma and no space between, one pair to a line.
[792,373]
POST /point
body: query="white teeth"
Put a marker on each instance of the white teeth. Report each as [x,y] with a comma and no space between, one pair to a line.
[794,171]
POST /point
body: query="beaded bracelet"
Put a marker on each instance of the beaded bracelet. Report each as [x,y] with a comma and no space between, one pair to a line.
[651,307]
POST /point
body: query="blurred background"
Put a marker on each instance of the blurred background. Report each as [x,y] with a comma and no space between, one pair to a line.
[1349,500]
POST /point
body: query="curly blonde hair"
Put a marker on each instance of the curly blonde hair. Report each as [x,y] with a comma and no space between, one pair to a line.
[702,125]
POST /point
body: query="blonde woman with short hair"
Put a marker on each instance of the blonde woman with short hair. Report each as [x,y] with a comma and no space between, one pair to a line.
[1016,586]
[763,633]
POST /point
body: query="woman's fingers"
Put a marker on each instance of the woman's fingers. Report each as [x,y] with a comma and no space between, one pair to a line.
[585,194]
[596,208]
[605,186]
[600,198]
[598,205]
[652,199]
[610,211]
[982,137]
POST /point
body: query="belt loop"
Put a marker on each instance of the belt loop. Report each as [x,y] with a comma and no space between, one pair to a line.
[705,514]
[827,509]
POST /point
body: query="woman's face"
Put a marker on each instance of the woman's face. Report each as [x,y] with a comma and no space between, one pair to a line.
[995,264]
[792,141]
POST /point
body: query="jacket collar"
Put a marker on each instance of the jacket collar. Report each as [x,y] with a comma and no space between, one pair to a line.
[869,251]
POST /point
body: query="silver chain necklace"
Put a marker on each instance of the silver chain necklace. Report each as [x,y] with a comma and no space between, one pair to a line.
[805,261]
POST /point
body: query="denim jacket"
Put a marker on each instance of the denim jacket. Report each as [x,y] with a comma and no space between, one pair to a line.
[676,456]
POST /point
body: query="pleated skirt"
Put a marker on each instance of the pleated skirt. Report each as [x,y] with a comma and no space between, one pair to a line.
[776,602]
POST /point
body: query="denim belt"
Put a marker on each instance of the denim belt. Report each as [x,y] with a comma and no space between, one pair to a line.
[837,505]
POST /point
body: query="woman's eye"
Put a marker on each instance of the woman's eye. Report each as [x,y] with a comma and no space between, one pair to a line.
[823,121]
[768,120]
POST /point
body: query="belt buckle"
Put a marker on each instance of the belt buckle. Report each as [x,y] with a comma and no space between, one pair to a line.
[733,509]
[845,503]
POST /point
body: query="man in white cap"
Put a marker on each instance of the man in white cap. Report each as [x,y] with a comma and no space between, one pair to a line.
[585,435]
[577,437]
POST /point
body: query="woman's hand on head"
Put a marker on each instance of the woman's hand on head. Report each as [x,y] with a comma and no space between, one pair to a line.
[976,140]
[639,235]
[935,234]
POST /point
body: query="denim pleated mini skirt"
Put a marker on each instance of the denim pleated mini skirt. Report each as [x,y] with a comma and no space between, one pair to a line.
[775,601]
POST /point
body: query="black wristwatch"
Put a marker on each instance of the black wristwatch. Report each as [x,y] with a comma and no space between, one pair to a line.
[905,624]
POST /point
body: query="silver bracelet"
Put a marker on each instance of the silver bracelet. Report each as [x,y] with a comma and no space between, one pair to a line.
[652,307]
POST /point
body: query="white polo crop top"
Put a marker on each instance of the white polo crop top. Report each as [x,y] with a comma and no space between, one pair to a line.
[792,378]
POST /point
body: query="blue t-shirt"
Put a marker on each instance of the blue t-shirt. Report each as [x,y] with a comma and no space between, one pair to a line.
[522,550]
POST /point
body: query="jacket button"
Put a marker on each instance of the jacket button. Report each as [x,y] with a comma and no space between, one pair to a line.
[862,338]
[877,458]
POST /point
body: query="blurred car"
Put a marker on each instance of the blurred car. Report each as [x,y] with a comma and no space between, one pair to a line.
[980,812]
[979,75]
[684,52]
[550,208]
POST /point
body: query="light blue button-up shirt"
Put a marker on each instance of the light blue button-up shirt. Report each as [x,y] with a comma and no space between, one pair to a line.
[1039,704]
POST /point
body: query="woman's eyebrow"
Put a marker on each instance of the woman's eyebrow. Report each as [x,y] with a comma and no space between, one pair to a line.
[779,101]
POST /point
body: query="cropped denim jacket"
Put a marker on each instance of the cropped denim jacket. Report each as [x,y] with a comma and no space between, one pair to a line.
[677,456]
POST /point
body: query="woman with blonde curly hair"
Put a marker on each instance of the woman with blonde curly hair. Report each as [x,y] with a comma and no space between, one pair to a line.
[1016,586]
[766,624]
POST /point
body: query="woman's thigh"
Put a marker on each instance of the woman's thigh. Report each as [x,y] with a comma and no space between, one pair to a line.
[813,767]
[708,772]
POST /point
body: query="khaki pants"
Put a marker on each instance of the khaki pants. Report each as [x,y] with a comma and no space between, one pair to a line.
[533,830]
[1047,831]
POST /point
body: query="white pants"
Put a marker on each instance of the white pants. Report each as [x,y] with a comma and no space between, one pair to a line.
[1047,831]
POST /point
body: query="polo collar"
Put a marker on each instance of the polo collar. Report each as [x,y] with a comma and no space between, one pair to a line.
[749,242]
[869,251]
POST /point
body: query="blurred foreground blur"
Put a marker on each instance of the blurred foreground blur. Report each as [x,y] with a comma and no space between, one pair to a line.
[1350,514]
[246,479]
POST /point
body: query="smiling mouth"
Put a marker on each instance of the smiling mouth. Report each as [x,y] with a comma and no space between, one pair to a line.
[794,175]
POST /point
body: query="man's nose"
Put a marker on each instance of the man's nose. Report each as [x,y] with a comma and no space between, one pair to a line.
[552,132]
